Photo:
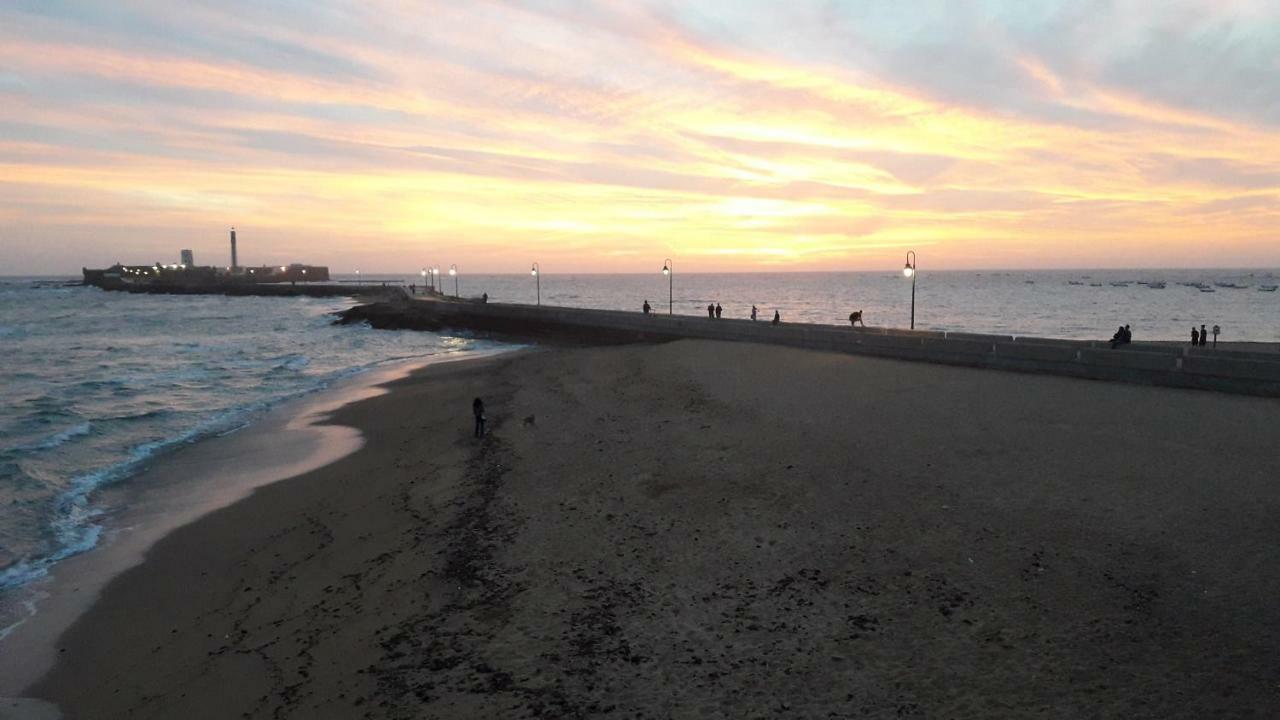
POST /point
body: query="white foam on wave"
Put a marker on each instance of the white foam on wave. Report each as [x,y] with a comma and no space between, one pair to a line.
[58,438]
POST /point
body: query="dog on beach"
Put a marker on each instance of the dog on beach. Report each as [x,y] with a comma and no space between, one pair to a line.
[855,318]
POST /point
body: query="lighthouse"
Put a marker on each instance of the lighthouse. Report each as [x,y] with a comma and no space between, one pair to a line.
[235,265]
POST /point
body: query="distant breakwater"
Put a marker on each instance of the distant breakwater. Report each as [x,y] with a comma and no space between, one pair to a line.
[259,289]
[1242,372]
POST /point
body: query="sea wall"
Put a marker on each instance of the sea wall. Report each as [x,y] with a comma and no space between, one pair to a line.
[1152,364]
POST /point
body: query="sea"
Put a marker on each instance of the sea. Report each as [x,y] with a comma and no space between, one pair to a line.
[94,384]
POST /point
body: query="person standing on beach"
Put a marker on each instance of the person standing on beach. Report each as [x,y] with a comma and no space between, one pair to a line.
[753,313]
[1195,336]
[776,317]
[477,409]
[711,311]
[718,310]
[1204,336]
[646,307]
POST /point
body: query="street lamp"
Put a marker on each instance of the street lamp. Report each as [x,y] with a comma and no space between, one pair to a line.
[909,270]
[439,286]
[358,277]
[424,280]
[537,278]
[666,270]
[453,270]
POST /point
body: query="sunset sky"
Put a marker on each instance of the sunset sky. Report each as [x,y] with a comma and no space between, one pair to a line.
[606,136]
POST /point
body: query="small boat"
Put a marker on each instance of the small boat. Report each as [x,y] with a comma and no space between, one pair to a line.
[1156,286]
[1205,288]
[1267,288]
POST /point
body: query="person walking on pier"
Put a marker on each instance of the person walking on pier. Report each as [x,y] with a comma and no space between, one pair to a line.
[711,311]
[753,313]
[646,307]
[718,310]
[776,317]
[477,409]
[1195,336]
[1204,336]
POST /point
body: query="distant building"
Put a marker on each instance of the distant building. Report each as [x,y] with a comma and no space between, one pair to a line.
[188,258]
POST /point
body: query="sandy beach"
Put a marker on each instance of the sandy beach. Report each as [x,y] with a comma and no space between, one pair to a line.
[703,529]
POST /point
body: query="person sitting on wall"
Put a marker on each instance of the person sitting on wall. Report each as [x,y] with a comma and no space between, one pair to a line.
[1118,339]
[855,318]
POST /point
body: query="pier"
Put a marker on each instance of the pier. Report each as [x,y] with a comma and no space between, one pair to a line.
[1233,371]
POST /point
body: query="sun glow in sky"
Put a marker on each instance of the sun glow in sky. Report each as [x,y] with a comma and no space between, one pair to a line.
[606,136]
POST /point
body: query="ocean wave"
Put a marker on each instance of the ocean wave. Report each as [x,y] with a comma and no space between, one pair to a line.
[54,440]
[289,362]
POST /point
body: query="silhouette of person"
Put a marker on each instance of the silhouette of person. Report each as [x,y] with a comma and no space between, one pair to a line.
[1204,336]
[776,317]
[646,307]
[484,298]
[1118,338]
[1195,336]
[753,313]
[855,318]
[477,409]
[711,311]
[1128,335]
[718,310]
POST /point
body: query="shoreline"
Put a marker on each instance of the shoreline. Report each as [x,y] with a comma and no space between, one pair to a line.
[726,529]
[290,439]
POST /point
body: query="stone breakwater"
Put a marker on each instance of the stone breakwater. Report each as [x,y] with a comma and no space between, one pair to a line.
[1233,371]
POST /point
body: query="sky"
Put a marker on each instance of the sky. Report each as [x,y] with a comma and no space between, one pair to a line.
[728,135]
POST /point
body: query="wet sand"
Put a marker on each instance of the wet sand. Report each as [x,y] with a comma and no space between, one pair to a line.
[703,529]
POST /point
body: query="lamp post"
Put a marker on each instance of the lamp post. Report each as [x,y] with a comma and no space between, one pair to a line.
[537,278]
[439,284]
[666,270]
[909,270]
[453,270]
[358,278]
[424,280]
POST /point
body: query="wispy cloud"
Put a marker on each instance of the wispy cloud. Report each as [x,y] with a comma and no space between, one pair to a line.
[592,135]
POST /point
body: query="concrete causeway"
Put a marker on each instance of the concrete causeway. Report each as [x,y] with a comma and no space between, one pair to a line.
[1233,371]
